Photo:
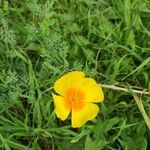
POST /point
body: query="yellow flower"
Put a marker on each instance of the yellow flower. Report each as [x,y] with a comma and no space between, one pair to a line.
[78,95]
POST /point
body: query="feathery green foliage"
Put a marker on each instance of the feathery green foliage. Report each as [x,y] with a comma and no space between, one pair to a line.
[41,40]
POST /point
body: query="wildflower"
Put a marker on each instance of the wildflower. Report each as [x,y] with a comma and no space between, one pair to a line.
[78,95]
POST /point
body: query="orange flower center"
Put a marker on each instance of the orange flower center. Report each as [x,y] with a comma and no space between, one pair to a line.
[74,98]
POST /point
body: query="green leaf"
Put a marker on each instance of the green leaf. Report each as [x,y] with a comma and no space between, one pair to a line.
[94,145]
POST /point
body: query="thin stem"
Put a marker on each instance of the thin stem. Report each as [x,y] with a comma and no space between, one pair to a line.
[117,88]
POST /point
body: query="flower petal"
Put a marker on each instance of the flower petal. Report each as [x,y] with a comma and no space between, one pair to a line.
[61,109]
[93,91]
[72,79]
[88,112]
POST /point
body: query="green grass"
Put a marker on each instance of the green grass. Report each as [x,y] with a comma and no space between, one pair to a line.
[41,40]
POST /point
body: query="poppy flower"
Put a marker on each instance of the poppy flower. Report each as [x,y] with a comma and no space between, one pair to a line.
[77,95]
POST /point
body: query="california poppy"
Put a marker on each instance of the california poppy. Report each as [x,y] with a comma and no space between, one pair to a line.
[78,95]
